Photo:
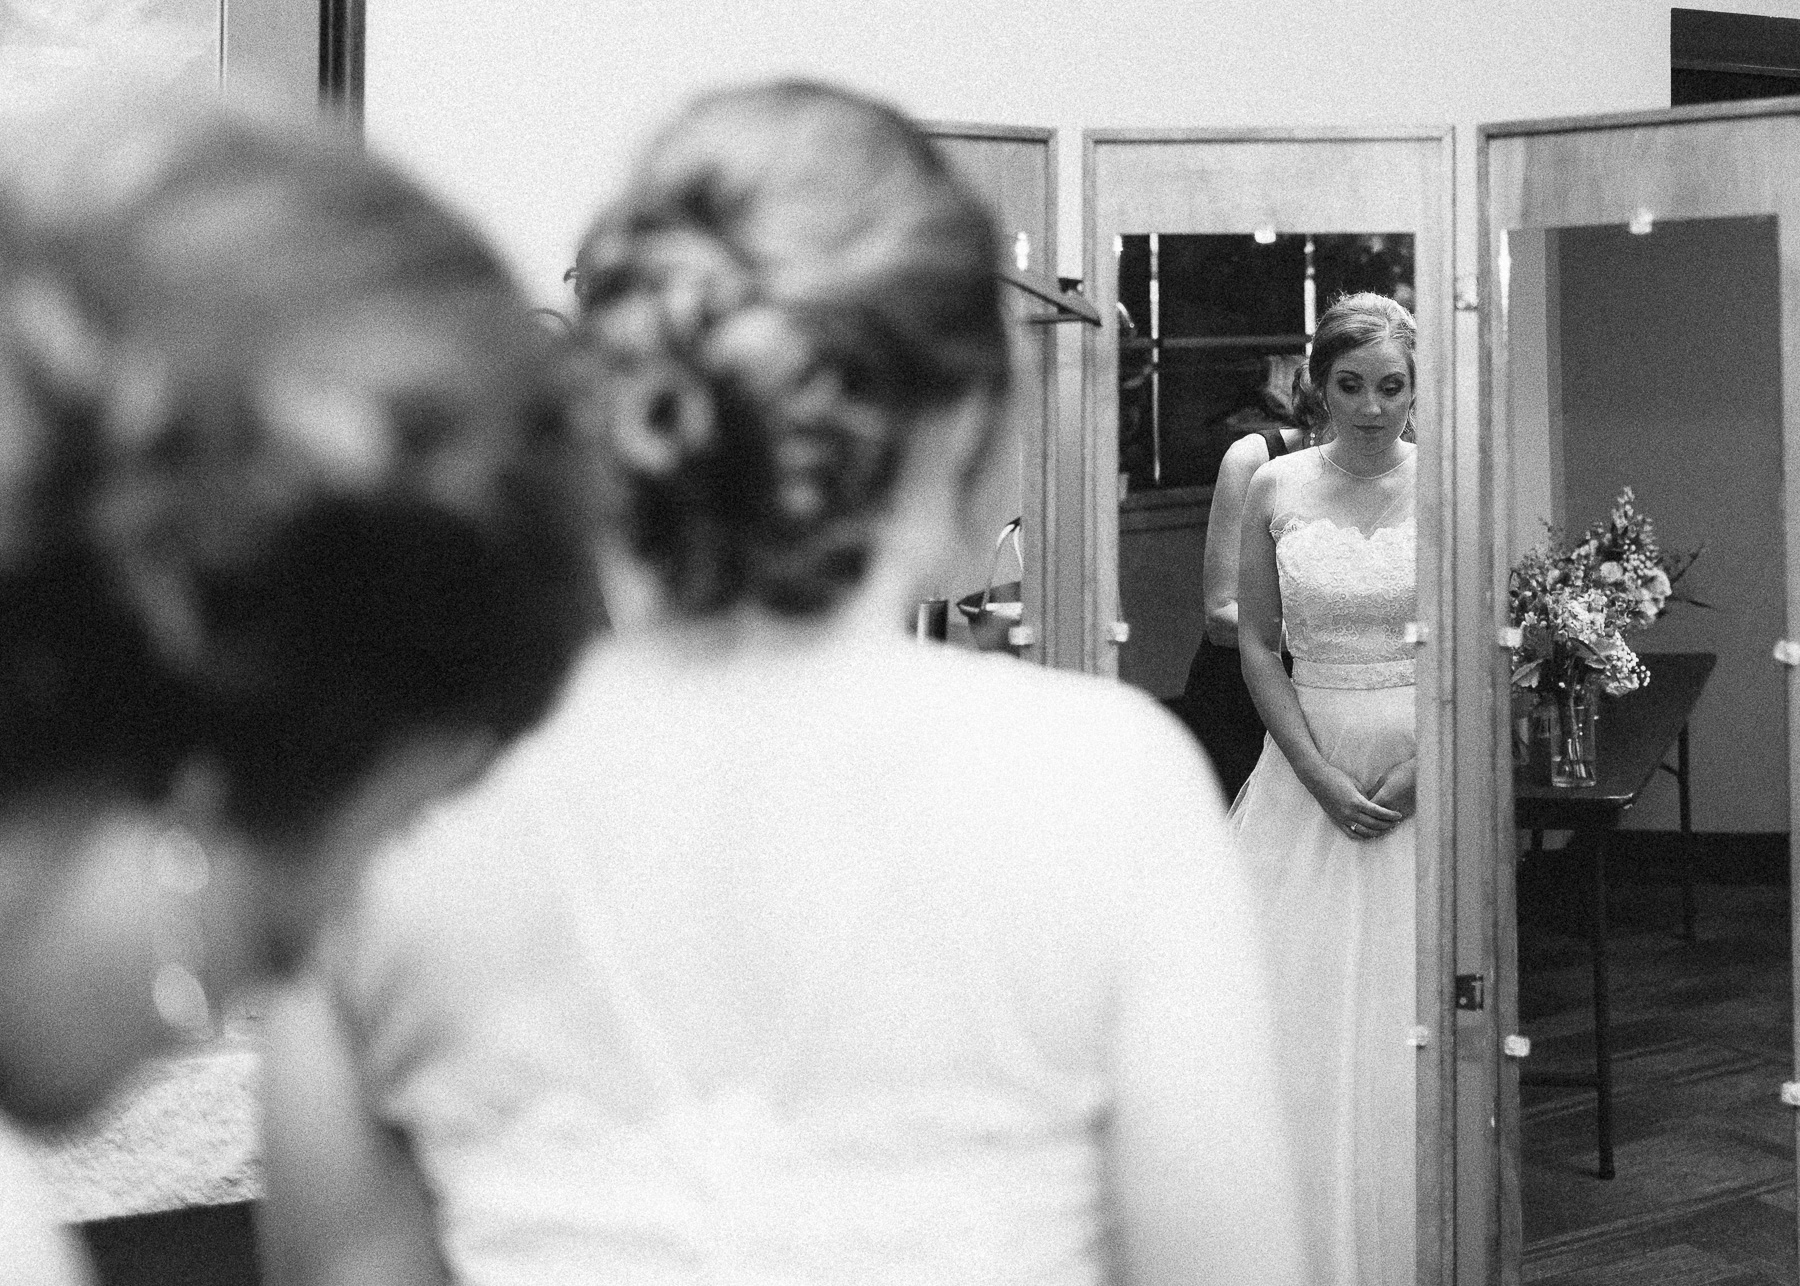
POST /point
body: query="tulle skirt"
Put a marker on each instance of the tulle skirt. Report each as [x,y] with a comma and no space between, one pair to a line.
[1338,918]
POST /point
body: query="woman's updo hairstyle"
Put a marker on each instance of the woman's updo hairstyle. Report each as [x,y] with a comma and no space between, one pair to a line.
[791,277]
[1352,322]
[289,431]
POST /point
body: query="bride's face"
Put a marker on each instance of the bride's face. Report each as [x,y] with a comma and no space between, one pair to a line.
[1369,394]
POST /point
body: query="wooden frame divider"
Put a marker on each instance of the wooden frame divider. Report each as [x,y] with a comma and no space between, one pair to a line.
[1236,181]
[1725,160]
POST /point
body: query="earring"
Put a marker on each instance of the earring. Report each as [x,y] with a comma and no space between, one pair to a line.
[181,870]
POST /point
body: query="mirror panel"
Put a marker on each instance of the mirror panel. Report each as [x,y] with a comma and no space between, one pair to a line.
[1647,281]
[173,43]
[1232,215]
[1212,328]
[1651,360]
[1013,168]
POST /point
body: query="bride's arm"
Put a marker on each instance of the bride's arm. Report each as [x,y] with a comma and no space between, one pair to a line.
[1259,649]
[1219,573]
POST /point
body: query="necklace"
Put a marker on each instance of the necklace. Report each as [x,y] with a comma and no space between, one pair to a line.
[1361,477]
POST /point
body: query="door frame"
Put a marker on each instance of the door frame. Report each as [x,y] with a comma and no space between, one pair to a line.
[1315,189]
[1491,1211]
[310,53]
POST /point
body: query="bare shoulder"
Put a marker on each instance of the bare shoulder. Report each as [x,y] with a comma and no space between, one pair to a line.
[1239,464]
[1259,496]
[1293,464]
[1249,453]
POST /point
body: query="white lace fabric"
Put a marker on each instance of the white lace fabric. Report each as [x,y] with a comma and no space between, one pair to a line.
[1345,551]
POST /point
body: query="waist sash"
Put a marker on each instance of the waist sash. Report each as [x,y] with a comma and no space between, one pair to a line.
[1368,674]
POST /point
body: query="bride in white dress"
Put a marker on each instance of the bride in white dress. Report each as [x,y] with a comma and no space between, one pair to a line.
[1324,825]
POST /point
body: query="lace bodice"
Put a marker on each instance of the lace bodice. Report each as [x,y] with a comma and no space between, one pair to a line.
[1345,551]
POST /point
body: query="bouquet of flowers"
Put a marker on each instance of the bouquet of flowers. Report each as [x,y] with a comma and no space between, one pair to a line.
[1574,606]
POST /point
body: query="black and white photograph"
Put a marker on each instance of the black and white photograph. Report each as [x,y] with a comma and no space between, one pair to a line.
[899,643]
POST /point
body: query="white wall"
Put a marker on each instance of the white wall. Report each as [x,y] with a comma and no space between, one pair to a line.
[526,112]
[1672,385]
[1534,385]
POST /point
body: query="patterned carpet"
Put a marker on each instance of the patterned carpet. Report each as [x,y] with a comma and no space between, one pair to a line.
[1702,1038]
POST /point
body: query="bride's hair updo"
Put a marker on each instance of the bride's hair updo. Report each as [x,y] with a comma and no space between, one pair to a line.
[791,277]
[1352,322]
[283,473]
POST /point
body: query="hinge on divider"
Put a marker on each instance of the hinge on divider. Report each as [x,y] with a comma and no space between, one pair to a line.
[1787,652]
[1790,1093]
[1468,293]
[1471,991]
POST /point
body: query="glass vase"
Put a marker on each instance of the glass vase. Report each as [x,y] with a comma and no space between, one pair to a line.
[1526,726]
[1573,747]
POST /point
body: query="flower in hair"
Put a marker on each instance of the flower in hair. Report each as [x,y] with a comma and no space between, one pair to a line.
[695,279]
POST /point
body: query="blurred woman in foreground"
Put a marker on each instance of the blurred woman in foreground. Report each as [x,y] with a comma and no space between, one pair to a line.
[789,950]
[284,553]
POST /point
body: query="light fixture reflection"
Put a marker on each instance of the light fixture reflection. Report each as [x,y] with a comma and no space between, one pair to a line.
[1264,236]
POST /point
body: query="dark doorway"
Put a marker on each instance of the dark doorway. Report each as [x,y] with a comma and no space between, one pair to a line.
[1719,57]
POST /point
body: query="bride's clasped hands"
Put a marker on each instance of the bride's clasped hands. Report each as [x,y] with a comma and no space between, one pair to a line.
[1365,810]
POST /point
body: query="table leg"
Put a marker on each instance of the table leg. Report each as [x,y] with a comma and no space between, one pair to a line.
[1602,1009]
[1687,836]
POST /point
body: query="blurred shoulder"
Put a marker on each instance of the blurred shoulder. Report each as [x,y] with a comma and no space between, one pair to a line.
[481,848]
[1061,729]
[1104,813]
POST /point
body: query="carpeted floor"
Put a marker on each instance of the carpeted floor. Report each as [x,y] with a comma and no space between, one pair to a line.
[1702,1037]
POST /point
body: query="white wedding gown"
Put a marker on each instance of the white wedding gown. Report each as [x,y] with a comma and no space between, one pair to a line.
[1337,912]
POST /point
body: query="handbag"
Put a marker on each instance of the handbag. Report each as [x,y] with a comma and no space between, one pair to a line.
[993,612]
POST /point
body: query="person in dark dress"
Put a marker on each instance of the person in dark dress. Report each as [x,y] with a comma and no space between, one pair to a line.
[1215,704]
